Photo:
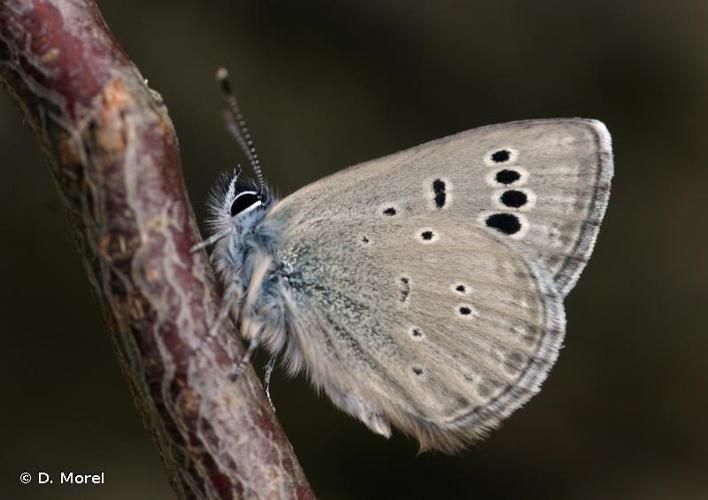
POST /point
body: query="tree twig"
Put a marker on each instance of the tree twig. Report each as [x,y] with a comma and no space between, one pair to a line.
[113,153]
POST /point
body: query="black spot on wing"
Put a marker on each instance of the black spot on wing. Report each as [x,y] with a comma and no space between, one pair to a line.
[405,288]
[507,176]
[501,156]
[513,198]
[505,223]
[439,191]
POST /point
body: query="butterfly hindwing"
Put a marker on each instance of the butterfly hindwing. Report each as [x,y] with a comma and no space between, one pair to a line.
[443,335]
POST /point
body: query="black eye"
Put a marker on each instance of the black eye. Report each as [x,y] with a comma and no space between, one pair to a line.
[244,201]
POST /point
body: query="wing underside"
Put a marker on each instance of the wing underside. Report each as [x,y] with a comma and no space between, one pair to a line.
[425,289]
[443,337]
[551,177]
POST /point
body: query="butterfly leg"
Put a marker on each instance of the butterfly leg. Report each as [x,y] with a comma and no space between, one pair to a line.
[245,359]
[266,380]
[211,240]
[227,302]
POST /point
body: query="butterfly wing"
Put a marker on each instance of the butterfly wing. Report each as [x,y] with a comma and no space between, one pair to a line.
[442,334]
[543,183]
[425,289]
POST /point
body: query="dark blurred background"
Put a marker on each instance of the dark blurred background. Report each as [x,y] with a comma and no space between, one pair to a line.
[325,85]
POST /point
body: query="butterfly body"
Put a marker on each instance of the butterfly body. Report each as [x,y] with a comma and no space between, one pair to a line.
[424,289]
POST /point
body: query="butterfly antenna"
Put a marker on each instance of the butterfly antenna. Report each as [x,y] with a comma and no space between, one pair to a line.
[236,125]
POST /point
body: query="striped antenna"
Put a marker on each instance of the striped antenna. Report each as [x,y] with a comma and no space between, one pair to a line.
[236,125]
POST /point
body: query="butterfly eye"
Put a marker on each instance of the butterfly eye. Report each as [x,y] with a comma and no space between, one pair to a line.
[245,201]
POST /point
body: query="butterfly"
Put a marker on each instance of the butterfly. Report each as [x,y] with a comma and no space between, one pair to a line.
[423,290]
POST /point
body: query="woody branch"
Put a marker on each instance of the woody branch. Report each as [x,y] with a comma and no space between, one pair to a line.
[113,153]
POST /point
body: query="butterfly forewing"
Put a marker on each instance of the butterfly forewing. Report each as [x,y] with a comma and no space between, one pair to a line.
[543,183]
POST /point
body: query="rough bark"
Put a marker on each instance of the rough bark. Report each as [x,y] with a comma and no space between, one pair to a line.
[114,156]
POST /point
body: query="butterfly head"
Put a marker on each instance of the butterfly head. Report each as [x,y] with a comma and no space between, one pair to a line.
[238,204]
